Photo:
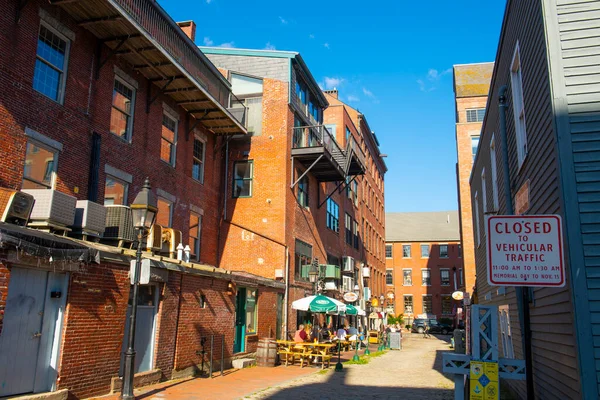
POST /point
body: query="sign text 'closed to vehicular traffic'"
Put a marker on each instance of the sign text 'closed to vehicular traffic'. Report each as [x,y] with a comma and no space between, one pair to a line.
[525,250]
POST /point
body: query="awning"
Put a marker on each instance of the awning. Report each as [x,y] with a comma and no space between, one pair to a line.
[45,245]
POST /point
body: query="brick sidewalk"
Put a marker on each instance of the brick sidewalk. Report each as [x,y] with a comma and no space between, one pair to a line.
[234,384]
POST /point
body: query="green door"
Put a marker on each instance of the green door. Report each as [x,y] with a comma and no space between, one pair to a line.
[240,321]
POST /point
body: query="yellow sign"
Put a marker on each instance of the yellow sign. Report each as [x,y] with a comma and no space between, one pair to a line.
[484,380]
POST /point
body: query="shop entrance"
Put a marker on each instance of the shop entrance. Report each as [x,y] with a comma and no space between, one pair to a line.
[240,321]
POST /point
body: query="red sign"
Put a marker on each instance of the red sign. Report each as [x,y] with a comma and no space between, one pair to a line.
[525,250]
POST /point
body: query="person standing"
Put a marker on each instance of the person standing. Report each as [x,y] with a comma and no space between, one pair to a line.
[426,330]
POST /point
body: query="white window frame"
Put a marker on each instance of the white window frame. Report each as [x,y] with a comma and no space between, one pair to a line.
[505,331]
[198,246]
[516,80]
[447,250]
[391,271]
[54,171]
[476,201]
[122,182]
[173,155]
[442,297]
[461,278]
[412,306]
[129,134]
[423,303]
[391,247]
[202,161]
[409,251]
[494,173]
[422,280]
[411,276]
[449,278]
[428,249]
[483,191]
[171,204]
[63,83]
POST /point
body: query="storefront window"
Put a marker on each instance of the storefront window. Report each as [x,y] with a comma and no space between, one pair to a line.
[251,296]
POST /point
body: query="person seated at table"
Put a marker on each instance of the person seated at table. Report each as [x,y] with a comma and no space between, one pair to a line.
[352,330]
[315,333]
[300,335]
[324,333]
[341,333]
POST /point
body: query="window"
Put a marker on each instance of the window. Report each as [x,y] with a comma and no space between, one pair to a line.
[474,145]
[115,191]
[494,173]
[475,114]
[406,250]
[388,251]
[426,277]
[251,314]
[445,277]
[121,116]
[51,64]
[355,232]
[302,256]
[198,160]
[424,251]
[408,304]
[443,251]
[40,166]
[354,185]
[476,200]
[460,251]
[483,191]
[407,277]
[333,222]
[254,113]
[168,140]
[243,173]
[303,191]
[516,81]
[348,229]
[331,128]
[427,304]
[164,216]
[348,134]
[505,332]
[301,93]
[389,276]
[446,305]
[195,235]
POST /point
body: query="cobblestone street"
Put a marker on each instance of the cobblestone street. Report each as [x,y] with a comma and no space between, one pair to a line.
[412,373]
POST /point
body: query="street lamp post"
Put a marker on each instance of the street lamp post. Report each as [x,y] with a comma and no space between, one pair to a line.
[314,276]
[381,304]
[143,210]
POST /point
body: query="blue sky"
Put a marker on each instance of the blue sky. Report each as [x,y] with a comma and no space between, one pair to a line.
[392,60]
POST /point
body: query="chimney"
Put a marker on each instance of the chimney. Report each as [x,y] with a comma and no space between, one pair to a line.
[333,93]
[189,28]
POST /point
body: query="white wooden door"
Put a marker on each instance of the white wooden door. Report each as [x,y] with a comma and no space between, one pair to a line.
[22,330]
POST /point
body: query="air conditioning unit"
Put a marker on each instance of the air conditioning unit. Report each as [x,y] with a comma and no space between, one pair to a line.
[347,284]
[90,218]
[171,238]
[119,224]
[348,263]
[155,238]
[330,286]
[366,272]
[15,206]
[52,208]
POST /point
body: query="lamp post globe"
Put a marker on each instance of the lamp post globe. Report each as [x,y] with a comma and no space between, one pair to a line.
[143,210]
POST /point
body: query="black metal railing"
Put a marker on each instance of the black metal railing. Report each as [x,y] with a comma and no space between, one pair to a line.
[168,35]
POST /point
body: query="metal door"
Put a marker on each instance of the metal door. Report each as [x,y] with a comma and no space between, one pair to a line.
[279,317]
[145,328]
[240,321]
[22,330]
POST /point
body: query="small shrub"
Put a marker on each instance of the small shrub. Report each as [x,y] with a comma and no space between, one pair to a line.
[408,327]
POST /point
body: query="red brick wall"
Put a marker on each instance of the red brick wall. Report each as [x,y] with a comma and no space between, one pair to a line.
[4,280]
[93,330]
[166,324]
[196,322]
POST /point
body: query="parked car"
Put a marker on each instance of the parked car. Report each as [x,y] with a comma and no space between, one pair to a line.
[434,326]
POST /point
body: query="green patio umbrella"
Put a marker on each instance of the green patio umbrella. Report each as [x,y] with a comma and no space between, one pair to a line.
[319,304]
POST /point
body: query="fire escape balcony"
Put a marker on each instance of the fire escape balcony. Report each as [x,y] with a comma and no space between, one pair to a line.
[142,34]
[317,150]
[355,157]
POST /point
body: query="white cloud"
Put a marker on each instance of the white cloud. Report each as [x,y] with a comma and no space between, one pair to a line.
[283,20]
[227,44]
[368,93]
[353,99]
[207,41]
[269,46]
[208,1]
[433,77]
[330,83]
[311,36]
[326,45]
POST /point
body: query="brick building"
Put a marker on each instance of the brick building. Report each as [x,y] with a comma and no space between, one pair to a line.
[296,184]
[95,96]
[471,86]
[424,263]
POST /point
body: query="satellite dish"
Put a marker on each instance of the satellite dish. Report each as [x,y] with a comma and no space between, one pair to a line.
[458,295]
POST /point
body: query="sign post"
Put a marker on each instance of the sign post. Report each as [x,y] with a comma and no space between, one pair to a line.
[525,250]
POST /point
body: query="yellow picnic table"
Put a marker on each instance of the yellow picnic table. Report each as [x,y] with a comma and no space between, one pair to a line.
[305,352]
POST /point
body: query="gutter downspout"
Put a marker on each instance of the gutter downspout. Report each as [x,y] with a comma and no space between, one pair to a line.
[286,295]
[522,293]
